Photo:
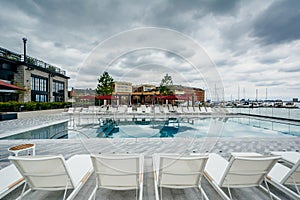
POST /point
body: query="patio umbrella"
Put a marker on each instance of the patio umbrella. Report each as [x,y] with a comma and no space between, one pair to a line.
[6,86]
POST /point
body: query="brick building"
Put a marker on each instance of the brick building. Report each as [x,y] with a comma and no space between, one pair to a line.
[40,81]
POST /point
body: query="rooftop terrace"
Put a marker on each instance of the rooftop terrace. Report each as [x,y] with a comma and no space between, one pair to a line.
[12,56]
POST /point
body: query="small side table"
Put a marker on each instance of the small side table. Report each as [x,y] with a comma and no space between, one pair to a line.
[22,147]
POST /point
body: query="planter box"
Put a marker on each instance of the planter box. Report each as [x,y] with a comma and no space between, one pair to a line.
[8,116]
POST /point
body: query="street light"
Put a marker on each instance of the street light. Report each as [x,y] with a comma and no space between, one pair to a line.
[24,42]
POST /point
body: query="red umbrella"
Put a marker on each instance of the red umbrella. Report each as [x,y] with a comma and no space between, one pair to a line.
[105,97]
[7,86]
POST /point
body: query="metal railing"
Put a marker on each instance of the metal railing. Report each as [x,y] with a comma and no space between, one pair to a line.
[9,55]
[285,113]
[4,53]
[42,64]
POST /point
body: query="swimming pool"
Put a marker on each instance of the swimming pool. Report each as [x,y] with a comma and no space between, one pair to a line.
[166,127]
[186,127]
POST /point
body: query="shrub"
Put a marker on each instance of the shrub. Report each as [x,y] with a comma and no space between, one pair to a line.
[13,106]
[30,106]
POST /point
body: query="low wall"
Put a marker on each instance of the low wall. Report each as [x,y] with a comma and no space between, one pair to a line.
[29,114]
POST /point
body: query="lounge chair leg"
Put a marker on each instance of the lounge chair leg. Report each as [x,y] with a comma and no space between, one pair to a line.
[267,186]
[161,192]
[228,188]
[267,189]
[65,193]
[203,194]
[93,195]
[136,193]
[23,190]
[297,189]
[141,192]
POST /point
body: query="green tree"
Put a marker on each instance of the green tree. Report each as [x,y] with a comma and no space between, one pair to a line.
[105,84]
[166,86]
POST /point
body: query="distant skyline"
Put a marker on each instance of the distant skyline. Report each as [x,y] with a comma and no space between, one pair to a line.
[255,45]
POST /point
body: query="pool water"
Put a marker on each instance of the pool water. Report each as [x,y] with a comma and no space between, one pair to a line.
[187,127]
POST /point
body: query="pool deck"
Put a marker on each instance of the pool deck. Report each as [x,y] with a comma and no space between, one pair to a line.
[147,147]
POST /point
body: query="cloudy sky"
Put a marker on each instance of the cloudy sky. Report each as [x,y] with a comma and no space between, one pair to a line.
[251,45]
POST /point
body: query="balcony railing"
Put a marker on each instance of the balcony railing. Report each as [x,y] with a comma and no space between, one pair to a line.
[42,64]
[17,57]
[9,55]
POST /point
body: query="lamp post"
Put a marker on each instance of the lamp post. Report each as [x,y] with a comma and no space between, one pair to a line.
[24,42]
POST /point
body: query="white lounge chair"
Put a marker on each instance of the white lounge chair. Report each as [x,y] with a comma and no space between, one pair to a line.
[139,110]
[148,110]
[178,172]
[119,172]
[197,110]
[179,110]
[185,110]
[70,110]
[129,110]
[208,110]
[289,157]
[53,173]
[242,170]
[280,176]
[10,179]
[171,108]
[157,110]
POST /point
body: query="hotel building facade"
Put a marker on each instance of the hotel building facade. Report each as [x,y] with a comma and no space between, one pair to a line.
[38,81]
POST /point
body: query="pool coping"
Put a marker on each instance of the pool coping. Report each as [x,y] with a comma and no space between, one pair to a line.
[19,130]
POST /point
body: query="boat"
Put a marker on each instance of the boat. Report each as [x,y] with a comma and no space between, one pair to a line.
[278,103]
[290,105]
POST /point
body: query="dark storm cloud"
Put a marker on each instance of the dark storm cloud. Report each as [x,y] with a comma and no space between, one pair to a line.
[184,15]
[269,60]
[279,23]
[236,35]
[290,69]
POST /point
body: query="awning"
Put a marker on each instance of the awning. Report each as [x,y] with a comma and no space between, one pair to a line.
[6,86]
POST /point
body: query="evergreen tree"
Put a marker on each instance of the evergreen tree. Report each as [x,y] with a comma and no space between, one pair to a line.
[105,84]
[166,86]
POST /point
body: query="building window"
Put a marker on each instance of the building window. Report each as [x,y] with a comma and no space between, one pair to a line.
[39,84]
[39,92]
[58,91]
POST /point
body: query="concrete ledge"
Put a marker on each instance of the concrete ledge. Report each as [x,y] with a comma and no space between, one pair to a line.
[29,114]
